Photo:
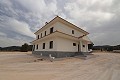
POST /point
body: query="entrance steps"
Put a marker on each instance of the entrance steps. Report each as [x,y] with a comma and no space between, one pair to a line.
[84,55]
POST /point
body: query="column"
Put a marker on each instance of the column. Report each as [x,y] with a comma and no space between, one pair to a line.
[81,46]
[86,47]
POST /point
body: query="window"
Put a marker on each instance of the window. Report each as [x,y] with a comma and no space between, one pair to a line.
[83,45]
[43,45]
[51,30]
[41,35]
[45,33]
[51,44]
[38,37]
[37,46]
[74,44]
[72,31]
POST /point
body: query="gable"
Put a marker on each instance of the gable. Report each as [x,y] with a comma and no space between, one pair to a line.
[68,30]
[63,21]
[69,24]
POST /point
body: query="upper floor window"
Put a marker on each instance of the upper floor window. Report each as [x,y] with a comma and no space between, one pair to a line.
[51,44]
[38,37]
[45,33]
[41,35]
[37,46]
[72,31]
[43,45]
[51,30]
[74,44]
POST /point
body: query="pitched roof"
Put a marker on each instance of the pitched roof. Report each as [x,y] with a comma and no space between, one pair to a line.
[57,18]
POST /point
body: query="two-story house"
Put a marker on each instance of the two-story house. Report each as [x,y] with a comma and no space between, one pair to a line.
[60,38]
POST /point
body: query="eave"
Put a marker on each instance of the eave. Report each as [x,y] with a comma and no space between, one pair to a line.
[59,34]
[59,19]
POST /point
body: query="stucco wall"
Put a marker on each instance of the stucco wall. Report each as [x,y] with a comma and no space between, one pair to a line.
[85,48]
[40,45]
[68,30]
[62,28]
[47,30]
[60,44]
[66,45]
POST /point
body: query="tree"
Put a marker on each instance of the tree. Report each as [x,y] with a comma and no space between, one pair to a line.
[24,47]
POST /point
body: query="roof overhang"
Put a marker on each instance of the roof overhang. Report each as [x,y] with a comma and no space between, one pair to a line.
[59,19]
[56,34]
[60,34]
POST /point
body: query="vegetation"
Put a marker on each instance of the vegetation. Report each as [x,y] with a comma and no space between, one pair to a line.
[10,48]
[106,48]
[24,48]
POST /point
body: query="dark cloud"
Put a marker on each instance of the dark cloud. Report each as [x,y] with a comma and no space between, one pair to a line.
[19,19]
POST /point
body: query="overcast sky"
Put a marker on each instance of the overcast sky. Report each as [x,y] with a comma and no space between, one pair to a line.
[19,19]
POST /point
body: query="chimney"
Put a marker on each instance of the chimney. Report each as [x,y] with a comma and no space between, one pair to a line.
[46,22]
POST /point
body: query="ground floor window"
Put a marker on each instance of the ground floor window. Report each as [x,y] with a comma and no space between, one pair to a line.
[83,45]
[51,44]
[43,45]
[74,44]
[37,46]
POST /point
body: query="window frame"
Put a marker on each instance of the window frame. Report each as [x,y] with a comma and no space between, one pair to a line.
[51,44]
[38,36]
[74,44]
[83,45]
[72,31]
[45,33]
[41,35]
[43,46]
[36,46]
[51,30]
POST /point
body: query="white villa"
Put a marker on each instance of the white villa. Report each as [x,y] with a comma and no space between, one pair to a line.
[60,38]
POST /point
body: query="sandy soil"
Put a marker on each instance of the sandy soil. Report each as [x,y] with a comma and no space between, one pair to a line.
[20,66]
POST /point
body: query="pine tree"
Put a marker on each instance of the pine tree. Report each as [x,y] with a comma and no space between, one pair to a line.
[24,47]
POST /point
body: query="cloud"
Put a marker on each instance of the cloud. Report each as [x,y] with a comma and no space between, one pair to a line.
[85,10]
[39,6]
[19,19]
[5,41]
[99,18]
[19,27]
[2,34]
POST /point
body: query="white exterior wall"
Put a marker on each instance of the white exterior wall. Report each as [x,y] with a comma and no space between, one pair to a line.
[66,45]
[47,41]
[61,44]
[68,30]
[62,28]
[84,49]
[47,31]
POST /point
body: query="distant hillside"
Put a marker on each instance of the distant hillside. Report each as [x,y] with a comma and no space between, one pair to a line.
[14,48]
[106,47]
[10,48]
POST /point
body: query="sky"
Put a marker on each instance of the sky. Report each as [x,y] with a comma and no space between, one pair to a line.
[19,19]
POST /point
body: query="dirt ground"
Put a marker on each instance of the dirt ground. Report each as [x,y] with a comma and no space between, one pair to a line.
[21,66]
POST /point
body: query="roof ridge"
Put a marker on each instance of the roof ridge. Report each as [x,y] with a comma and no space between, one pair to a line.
[63,20]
